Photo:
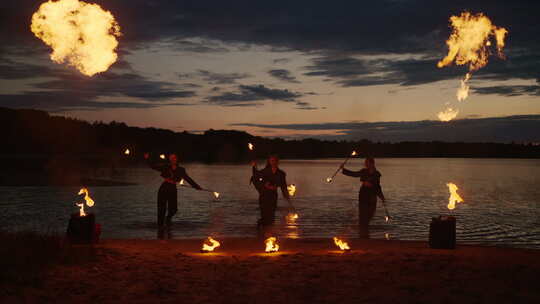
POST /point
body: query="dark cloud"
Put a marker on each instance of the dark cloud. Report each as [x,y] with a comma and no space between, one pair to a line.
[184,45]
[521,128]
[60,102]
[250,93]
[284,75]
[510,90]
[222,78]
[301,105]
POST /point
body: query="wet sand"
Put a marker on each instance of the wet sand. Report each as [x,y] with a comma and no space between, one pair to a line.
[303,271]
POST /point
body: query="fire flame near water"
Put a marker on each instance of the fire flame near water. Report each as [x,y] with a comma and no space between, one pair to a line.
[469,44]
[341,244]
[87,199]
[83,34]
[271,245]
[213,244]
[454,196]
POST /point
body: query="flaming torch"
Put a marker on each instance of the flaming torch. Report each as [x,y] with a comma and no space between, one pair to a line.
[330,179]
[271,244]
[83,34]
[82,227]
[341,244]
[210,245]
[88,200]
[442,229]
[469,44]
[215,193]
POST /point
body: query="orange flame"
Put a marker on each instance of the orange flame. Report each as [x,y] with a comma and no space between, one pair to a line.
[271,244]
[250,146]
[291,218]
[328,179]
[88,200]
[353,153]
[162,156]
[216,194]
[454,196]
[291,189]
[213,244]
[80,33]
[127,152]
[341,244]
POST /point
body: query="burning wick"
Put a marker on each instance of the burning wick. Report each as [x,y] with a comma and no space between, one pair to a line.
[291,189]
[213,244]
[162,156]
[88,200]
[341,244]
[271,245]
[127,152]
[250,146]
[454,196]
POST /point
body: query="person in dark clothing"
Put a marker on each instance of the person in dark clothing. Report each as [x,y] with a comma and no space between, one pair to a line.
[167,199]
[267,181]
[369,191]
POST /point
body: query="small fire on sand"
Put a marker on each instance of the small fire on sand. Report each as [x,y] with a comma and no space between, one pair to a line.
[210,245]
[454,196]
[341,244]
[469,44]
[79,33]
[271,244]
[87,199]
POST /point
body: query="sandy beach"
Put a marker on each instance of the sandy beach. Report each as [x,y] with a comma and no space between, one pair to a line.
[303,271]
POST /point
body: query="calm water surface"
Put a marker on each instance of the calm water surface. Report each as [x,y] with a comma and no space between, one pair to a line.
[502,202]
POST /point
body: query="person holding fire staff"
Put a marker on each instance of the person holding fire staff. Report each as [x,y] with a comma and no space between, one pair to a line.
[371,188]
[267,181]
[167,199]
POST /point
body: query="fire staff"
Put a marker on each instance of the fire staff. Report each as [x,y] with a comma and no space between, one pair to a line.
[167,199]
[267,181]
[371,188]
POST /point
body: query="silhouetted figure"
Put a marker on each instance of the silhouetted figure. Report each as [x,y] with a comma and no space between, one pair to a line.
[267,181]
[167,199]
[369,191]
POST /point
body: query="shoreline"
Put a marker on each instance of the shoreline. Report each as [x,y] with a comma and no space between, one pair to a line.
[303,271]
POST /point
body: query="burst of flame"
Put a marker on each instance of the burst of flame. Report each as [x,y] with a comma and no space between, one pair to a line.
[448,114]
[454,196]
[83,34]
[341,244]
[127,152]
[162,156]
[328,179]
[216,194]
[271,244]
[291,189]
[213,244]
[469,44]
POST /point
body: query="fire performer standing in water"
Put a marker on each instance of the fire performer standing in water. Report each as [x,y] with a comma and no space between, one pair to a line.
[167,195]
[369,191]
[267,181]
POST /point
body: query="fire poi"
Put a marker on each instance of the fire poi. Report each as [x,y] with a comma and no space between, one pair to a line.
[210,245]
[271,244]
[469,44]
[330,179]
[341,244]
[215,193]
[79,33]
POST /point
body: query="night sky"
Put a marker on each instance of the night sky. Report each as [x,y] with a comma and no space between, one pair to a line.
[333,69]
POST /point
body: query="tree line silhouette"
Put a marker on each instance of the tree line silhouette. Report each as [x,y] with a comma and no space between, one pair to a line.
[36,135]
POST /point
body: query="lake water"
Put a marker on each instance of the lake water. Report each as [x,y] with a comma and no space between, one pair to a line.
[502,202]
